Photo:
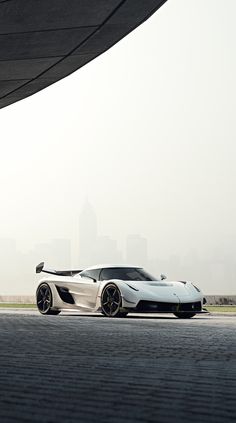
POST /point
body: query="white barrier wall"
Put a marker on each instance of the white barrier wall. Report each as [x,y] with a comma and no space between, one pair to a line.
[22,299]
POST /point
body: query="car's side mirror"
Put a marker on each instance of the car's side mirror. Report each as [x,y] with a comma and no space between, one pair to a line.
[163,276]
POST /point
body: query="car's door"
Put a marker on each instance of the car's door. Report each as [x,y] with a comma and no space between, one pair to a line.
[87,284]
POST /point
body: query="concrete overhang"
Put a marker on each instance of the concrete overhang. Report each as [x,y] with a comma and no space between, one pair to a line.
[42,41]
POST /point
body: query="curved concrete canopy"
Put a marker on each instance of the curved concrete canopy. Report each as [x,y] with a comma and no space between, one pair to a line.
[42,41]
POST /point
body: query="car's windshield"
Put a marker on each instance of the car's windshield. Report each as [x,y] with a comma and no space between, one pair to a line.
[126,274]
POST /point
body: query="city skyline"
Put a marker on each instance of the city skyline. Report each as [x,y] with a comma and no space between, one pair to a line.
[96,248]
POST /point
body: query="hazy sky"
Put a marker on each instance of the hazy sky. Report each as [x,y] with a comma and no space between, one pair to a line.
[146,132]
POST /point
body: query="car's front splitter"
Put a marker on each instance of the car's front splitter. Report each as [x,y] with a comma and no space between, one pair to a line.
[162,307]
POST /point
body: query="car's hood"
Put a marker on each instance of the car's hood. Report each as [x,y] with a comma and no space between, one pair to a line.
[166,290]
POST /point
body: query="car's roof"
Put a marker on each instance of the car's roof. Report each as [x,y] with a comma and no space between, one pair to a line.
[108,266]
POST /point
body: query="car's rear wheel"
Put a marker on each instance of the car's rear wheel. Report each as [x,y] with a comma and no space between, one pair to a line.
[184,315]
[111,301]
[44,300]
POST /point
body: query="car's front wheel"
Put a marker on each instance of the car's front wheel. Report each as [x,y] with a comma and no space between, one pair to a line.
[111,301]
[184,315]
[44,300]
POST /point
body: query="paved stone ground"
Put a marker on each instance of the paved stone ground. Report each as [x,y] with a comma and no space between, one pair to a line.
[73,368]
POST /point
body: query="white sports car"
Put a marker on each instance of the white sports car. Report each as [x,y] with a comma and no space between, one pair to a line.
[116,291]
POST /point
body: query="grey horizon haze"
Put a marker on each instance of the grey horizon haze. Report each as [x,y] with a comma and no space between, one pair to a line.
[147,133]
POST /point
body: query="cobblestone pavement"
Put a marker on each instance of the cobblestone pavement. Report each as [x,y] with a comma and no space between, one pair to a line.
[73,368]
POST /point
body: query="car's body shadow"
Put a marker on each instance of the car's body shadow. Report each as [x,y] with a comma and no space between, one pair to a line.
[135,317]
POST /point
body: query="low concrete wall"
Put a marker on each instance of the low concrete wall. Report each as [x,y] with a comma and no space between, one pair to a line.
[221,299]
[18,299]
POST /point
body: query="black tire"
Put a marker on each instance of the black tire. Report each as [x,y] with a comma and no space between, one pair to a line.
[111,301]
[184,315]
[44,300]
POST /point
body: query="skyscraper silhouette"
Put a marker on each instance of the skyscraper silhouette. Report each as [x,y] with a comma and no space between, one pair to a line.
[136,250]
[87,235]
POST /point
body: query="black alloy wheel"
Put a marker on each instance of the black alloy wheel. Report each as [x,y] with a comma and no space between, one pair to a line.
[184,315]
[111,301]
[44,300]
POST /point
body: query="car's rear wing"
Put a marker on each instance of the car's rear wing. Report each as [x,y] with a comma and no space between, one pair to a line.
[40,268]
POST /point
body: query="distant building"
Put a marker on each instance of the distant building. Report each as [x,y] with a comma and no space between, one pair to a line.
[106,251]
[87,235]
[136,250]
[56,253]
[61,252]
[94,248]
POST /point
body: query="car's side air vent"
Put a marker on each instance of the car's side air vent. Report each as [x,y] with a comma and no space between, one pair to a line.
[65,295]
